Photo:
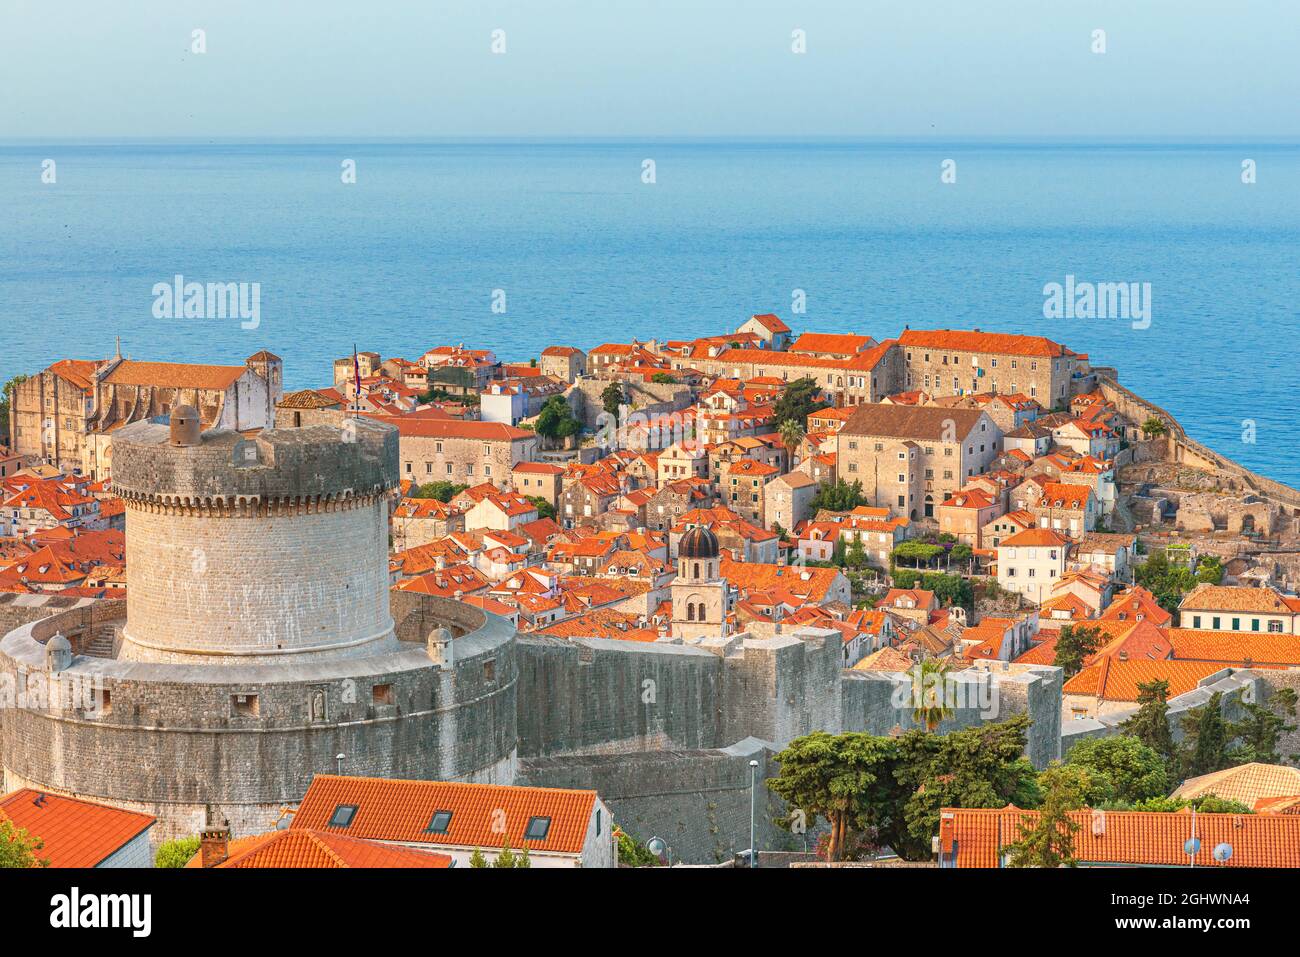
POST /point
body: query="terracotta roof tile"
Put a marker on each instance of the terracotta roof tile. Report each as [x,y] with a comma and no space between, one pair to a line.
[76,833]
[483,815]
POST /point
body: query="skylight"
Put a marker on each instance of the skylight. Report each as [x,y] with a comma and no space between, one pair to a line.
[342,816]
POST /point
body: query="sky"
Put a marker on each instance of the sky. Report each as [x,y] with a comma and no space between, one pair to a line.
[82,69]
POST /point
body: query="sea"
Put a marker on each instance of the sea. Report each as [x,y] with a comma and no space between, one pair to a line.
[399,246]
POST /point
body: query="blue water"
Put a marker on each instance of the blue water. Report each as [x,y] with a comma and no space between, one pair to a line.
[409,256]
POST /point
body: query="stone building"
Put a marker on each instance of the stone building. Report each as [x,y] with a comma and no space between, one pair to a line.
[433,450]
[252,650]
[911,458]
[563,362]
[960,362]
[66,415]
[701,596]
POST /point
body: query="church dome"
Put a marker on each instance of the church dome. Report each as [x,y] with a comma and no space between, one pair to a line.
[699,542]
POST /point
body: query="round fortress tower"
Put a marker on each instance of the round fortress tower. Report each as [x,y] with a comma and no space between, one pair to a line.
[259,549]
[259,643]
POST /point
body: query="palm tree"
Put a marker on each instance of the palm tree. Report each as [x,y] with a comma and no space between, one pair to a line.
[792,433]
[929,693]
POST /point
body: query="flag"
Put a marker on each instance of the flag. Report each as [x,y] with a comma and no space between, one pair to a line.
[356,378]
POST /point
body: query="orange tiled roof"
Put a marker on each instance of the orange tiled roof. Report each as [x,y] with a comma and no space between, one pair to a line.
[1237,647]
[306,848]
[1111,679]
[1034,537]
[76,833]
[175,375]
[988,343]
[1131,837]
[483,815]
[1247,783]
[1206,597]
[413,427]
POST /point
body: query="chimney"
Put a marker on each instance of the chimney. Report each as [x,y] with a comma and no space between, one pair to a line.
[214,846]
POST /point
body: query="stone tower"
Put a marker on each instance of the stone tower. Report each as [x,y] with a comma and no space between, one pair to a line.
[700,602]
[255,550]
[259,640]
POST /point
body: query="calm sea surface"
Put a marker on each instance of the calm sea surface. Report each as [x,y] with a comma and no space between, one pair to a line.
[410,255]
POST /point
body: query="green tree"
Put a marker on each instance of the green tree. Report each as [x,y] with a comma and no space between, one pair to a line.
[915,553]
[544,508]
[1074,645]
[443,491]
[18,848]
[792,432]
[855,556]
[1259,732]
[838,496]
[632,852]
[798,400]
[1047,839]
[177,853]
[663,378]
[612,397]
[506,858]
[931,693]
[980,767]
[1150,723]
[556,421]
[1205,737]
[845,779]
[1133,771]
[1205,804]
[962,554]
[1153,427]
[477,859]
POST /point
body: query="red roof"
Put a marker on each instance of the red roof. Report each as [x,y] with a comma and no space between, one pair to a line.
[482,815]
[989,343]
[408,426]
[305,848]
[1130,837]
[76,833]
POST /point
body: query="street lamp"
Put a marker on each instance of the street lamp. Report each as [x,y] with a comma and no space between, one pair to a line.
[659,848]
[753,807]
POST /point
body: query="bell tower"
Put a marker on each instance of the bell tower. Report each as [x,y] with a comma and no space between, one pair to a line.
[699,591]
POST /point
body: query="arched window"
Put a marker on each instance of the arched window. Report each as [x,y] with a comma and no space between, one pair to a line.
[697,569]
[701,611]
[690,611]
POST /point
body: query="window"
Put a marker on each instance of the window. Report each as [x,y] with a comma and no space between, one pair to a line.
[440,823]
[1254,624]
[244,705]
[537,828]
[1236,624]
[381,694]
[343,815]
[1275,627]
[597,822]
[1214,622]
[1196,621]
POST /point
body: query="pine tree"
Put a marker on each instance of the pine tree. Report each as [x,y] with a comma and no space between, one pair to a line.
[1150,723]
[1048,840]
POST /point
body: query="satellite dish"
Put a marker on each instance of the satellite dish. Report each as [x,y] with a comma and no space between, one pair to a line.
[1192,846]
[656,846]
[1222,852]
